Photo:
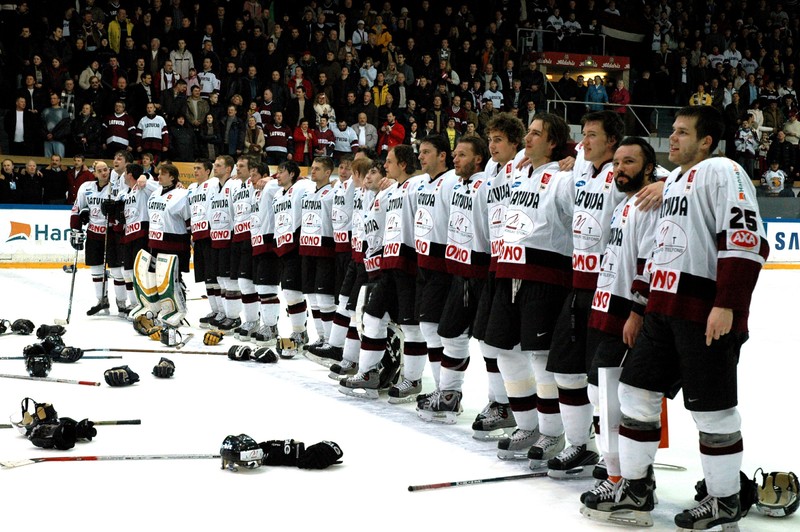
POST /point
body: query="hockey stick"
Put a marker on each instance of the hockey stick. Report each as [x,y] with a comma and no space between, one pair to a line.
[48,379]
[96,357]
[71,291]
[668,467]
[9,464]
[162,351]
[477,481]
[184,340]
[108,422]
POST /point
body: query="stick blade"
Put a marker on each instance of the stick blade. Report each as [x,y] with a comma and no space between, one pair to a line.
[58,321]
[10,464]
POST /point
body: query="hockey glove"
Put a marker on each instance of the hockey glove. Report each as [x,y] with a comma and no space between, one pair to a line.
[320,455]
[66,354]
[265,355]
[239,353]
[282,452]
[84,217]
[50,330]
[164,369]
[51,343]
[143,324]
[120,376]
[155,333]
[120,211]
[22,327]
[40,413]
[108,207]
[4,324]
[84,429]
[213,337]
[60,435]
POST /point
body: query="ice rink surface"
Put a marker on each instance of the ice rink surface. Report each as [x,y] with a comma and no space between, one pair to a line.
[386,447]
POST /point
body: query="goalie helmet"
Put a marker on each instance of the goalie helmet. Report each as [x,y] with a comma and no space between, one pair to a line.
[778,494]
[241,450]
[37,362]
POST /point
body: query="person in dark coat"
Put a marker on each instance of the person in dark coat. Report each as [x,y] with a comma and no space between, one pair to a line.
[182,141]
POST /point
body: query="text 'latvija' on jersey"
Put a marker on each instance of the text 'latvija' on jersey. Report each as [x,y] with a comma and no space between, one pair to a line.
[316,231]
[596,196]
[537,241]
[467,251]
[288,211]
[170,216]
[710,243]
[373,232]
[499,194]
[629,246]
[200,196]
[341,214]
[431,220]
[90,196]
[221,216]
[399,251]
[137,220]
[262,219]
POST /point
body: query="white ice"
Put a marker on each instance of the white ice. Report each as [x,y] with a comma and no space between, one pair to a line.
[386,448]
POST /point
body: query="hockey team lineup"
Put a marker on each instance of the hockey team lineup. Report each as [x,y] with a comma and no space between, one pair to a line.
[406,275]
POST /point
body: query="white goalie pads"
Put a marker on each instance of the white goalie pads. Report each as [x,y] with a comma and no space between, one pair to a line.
[158,288]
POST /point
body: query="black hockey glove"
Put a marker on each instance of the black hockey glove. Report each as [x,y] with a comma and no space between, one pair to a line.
[51,343]
[281,452]
[265,355]
[84,217]
[77,239]
[320,455]
[119,213]
[84,429]
[60,435]
[239,353]
[50,330]
[164,369]
[66,354]
[120,376]
[213,337]
[4,325]
[22,327]
[108,207]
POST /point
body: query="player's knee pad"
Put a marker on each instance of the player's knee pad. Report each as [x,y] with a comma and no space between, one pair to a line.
[718,422]
[171,298]
[375,327]
[489,351]
[521,387]
[640,425]
[246,286]
[326,303]
[341,308]
[293,297]
[571,381]
[594,394]
[127,275]
[639,404]
[429,332]
[719,440]
[271,291]
[412,333]
[457,347]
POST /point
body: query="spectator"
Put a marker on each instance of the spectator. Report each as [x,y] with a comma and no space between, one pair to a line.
[119,131]
[746,145]
[77,176]
[325,138]
[701,97]
[8,182]
[117,27]
[182,59]
[233,131]
[210,137]
[621,97]
[56,127]
[54,183]
[196,109]
[29,185]
[305,143]
[596,94]
[773,116]
[300,108]
[367,133]
[279,141]
[775,182]
[792,129]
[345,140]
[733,116]
[322,107]
[392,134]
[23,129]
[254,140]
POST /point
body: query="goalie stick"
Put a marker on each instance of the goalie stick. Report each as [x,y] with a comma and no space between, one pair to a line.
[10,464]
[422,487]
[90,357]
[48,379]
[97,423]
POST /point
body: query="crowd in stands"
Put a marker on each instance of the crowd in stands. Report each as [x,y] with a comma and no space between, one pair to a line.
[181,79]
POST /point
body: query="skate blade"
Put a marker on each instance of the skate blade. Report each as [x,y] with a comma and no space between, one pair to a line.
[503,454]
[492,435]
[574,473]
[359,393]
[620,517]
[402,400]
[724,527]
[446,418]
[339,376]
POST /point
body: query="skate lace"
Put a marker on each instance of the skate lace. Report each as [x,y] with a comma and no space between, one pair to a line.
[489,410]
[569,453]
[606,490]
[249,325]
[545,442]
[521,435]
[406,385]
[346,364]
[708,506]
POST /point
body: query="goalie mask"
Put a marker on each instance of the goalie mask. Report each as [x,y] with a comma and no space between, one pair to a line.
[778,494]
[241,450]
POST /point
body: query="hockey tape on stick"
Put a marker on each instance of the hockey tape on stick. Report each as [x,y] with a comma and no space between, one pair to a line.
[10,464]
[477,481]
[48,379]
[96,423]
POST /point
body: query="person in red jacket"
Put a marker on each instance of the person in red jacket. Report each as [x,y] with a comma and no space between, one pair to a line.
[305,142]
[392,134]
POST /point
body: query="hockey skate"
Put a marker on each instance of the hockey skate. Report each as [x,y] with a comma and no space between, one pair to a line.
[361,385]
[292,346]
[101,307]
[229,324]
[123,309]
[392,361]
[404,391]
[319,343]
[494,422]
[246,330]
[441,407]
[215,322]
[324,355]
[712,512]
[266,336]
[626,502]
[205,321]
[575,461]
[343,369]
[600,471]
[545,448]
[516,446]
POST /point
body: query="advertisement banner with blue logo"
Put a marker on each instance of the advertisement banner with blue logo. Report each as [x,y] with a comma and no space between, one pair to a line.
[784,240]
[35,234]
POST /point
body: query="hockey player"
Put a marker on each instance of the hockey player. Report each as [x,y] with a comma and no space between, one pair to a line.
[616,315]
[287,209]
[433,281]
[266,266]
[709,249]
[595,198]
[242,249]
[467,260]
[151,133]
[318,248]
[506,134]
[123,287]
[87,212]
[532,279]
[201,193]
[221,229]
[393,295]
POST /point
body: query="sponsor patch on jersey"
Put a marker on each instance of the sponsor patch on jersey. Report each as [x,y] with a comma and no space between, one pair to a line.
[509,167]
[516,184]
[601,300]
[665,280]
[743,239]
[580,183]
[457,186]
[477,184]
[325,192]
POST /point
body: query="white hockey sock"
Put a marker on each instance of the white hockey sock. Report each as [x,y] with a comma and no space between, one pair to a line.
[97,273]
[352,346]
[129,293]
[454,362]
[435,349]
[269,305]
[120,293]
[497,389]
[547,396]
[373,343]
[327,308]
[316,315]
[517,370]
[233,298]
[576,410]
[296,305]
[414,352]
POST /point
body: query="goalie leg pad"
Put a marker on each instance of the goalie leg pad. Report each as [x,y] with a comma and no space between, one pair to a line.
[145,288]
[171,301]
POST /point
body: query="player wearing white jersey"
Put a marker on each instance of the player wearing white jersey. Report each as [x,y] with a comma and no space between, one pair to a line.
[200,195]
[242,248]
[709,249]
[467,260]
[123,286]
[532,279]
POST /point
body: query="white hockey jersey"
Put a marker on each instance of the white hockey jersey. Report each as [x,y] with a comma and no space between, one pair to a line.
[262,220]
[629,245]
[710,243]
[362,201]
[374,232]
[169,215]
[342,215]
[431,220]
[316,231]
[221,215]
[399,251]
[90,196]
[242,201]
[137,220]
[468,250]
[288,212]
[200,196]
[537,241]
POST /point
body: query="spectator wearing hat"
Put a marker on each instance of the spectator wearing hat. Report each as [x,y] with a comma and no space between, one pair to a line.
[360,35]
